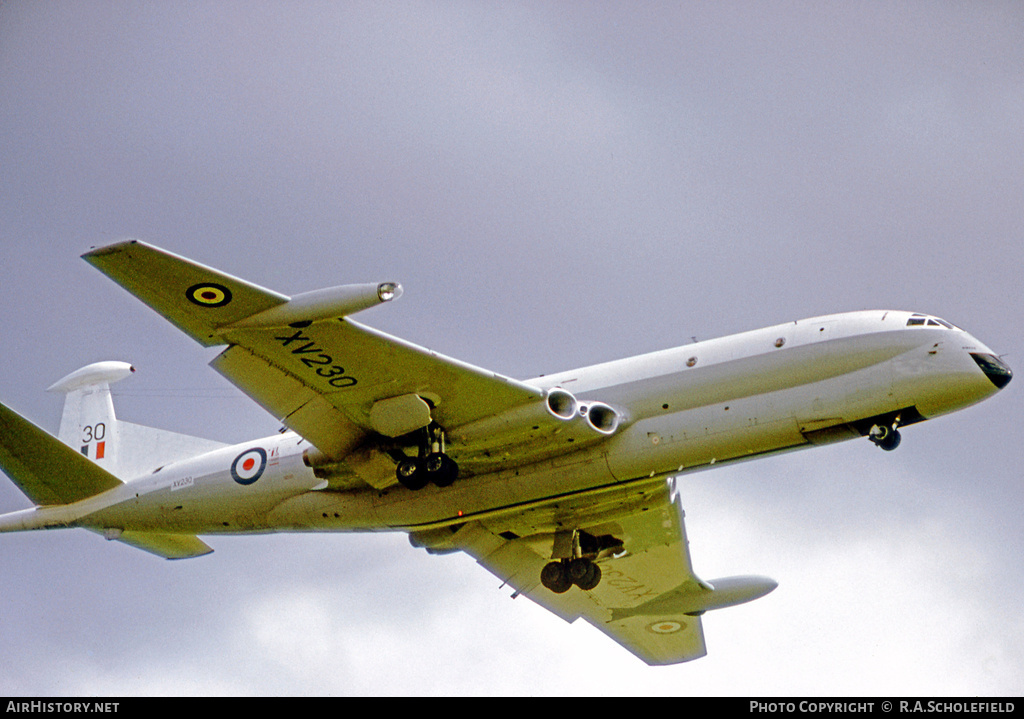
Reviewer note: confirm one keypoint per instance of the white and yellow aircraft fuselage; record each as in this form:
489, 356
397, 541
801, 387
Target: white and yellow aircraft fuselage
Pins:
557, 484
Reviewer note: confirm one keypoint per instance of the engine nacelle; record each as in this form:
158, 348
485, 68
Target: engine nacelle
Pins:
601, 417
522, 423
557, 425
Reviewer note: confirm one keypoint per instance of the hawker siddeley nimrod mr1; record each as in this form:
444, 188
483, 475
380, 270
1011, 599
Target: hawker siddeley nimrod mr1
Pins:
559, 485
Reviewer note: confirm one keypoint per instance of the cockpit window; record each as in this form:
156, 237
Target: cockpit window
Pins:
925, 321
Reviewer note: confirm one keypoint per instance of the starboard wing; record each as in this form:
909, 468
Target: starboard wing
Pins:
324, 380
195, 298
321, 376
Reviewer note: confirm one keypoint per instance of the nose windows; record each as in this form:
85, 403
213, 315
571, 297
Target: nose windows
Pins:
926, 321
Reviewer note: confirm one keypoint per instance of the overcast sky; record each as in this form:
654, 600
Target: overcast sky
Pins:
555, 185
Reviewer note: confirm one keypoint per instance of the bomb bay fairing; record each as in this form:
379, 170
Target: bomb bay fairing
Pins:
559, 485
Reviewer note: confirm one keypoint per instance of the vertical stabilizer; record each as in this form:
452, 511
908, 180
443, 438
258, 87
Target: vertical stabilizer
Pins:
88, 423
124, 449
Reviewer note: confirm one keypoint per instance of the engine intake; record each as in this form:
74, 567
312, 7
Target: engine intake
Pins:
560, 418
561, 404
601, 417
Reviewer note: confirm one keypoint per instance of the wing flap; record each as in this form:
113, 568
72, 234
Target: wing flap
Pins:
44, 468
295, 403
518, 565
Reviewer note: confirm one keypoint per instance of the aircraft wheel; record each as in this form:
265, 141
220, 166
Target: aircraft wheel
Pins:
412, 474
441, 469
891, 442
555, 578
578, 569
885, 437
591, 577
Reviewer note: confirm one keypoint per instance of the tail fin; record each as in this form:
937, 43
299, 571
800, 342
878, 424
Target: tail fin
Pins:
124, 449
87, 422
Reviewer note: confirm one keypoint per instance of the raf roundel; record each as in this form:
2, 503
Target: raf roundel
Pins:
665, 627
249, 465
208, 294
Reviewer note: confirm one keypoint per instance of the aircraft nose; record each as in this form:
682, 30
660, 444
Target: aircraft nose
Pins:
994, 368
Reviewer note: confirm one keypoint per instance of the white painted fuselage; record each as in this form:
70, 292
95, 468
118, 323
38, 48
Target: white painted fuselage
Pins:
779, 388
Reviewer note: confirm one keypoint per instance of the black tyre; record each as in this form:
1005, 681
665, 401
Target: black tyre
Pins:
890, 442
591, 579
441, 469
578, 569
555, 578
412, 474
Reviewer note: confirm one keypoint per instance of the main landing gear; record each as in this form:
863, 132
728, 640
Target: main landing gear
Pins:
437, 468
885, 436
561, 575
576, 554
432, 466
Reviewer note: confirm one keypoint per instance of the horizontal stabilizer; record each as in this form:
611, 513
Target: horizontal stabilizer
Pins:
163, 544
44, 468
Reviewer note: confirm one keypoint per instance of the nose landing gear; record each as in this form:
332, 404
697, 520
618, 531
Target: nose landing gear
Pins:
886, 437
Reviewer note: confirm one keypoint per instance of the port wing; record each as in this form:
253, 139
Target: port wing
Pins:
648, 599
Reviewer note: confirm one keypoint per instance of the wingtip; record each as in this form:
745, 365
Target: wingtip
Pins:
101, 250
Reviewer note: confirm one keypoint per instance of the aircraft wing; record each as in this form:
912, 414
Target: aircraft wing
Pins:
325, 380
328, 378
647, 601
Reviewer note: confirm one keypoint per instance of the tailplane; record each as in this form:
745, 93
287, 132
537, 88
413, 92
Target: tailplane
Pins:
126, 450
93, 453
47, 472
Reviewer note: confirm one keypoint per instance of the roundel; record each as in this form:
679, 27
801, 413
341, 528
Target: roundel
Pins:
249, 465
208, 294
665, 627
